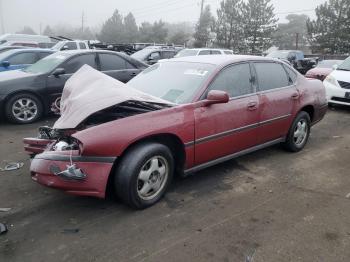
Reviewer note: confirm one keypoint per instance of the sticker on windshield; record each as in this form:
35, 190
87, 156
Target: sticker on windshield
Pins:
197, 72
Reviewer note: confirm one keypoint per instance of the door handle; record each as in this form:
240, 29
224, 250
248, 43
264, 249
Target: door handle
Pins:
295, 96
252, 106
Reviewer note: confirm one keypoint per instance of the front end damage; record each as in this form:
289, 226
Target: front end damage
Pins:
58, 159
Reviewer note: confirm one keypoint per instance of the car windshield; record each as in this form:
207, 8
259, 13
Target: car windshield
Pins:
176, 82
47, 64
328, 63
142, 54
187, 52
279, 54
345, 66
5, 54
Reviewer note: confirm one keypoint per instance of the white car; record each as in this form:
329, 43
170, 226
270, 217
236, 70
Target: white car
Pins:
337, 84
203, 51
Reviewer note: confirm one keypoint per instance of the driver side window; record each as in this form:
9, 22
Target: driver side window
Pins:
236, 80
154, 56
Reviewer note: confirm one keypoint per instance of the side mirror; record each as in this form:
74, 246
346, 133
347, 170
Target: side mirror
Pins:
5, 63
216, 97
335, 67
58, 72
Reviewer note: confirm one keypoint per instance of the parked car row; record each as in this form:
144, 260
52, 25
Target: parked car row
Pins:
26, 95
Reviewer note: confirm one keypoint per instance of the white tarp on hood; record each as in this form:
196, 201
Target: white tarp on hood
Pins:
89, 91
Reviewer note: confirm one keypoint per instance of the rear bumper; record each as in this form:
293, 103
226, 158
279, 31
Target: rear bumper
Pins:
320, 114
96, 169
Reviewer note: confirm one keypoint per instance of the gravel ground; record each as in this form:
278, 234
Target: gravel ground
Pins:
267, 206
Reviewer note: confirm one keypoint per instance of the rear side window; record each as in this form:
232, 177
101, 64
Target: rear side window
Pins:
71, 45
215, 52
292, 75
204, 52
43, 54
228, 52
74, 64
235, 80
82, 45
168, 54
112, 62
23, 59
271, 76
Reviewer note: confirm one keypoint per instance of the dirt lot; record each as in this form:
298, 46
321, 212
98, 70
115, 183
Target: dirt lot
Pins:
267, 206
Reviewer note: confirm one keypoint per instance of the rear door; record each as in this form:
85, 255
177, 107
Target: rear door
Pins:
224, 129
55, 84
277, 98
117, 67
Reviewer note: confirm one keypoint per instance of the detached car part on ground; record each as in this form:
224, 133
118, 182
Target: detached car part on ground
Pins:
177, 117
26, 95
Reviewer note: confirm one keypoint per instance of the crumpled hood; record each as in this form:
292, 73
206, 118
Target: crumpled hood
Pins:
89, 91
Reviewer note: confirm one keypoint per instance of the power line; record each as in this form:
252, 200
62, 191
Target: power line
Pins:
156, 6
295, 12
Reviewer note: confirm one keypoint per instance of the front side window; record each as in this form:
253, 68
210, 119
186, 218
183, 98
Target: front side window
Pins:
271, 76
71, 46
215, 52
111, 62
74, 64
204, 52
23, 59
235, 80
168, 54
154, 56
82, 45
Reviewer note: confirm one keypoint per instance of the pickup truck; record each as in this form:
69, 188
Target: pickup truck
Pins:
296, 59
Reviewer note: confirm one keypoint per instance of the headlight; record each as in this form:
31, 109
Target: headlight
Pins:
331, 80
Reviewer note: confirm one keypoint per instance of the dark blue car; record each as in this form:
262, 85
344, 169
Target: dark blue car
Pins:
21, 58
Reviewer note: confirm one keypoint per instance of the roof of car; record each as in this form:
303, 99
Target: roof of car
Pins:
16, 50
219, 59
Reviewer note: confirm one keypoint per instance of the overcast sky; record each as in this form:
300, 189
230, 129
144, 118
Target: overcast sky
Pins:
18, 13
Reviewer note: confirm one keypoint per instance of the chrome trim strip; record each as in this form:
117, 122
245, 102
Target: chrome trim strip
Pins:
226, 133
235, 155
189, 144
240, 129
67, 158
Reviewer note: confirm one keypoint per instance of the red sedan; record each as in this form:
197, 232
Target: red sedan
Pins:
177, 117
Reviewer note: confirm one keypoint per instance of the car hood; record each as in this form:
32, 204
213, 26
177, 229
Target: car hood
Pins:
89, 91
341, 75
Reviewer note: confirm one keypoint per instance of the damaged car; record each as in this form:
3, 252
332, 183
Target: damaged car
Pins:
176, 117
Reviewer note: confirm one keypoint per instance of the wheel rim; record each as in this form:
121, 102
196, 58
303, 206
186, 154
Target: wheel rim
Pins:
152, 178
24, 109
300, 132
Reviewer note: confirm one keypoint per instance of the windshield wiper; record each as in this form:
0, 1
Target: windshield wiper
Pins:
343, 69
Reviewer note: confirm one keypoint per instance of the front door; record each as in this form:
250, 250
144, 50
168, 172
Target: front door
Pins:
277, 99
224, 129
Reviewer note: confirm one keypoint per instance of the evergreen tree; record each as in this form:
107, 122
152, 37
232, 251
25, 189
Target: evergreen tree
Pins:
259, 22
330, 31
146, 32
228, 27
155, 33
204, 26
113, 30
48, 31
27, 30
286, 34
131, 29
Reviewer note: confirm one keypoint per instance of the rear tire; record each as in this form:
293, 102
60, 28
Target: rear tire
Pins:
23, 109
144, 175
299, 133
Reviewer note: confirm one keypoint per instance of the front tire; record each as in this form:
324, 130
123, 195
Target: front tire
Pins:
23, 109
299, 133
144, 175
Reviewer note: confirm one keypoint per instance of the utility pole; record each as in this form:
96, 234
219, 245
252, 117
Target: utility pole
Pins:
82, 22
202, 6
297, 41
2, 19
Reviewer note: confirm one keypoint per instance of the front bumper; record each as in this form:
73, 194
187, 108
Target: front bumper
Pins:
336, 95
95, 169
